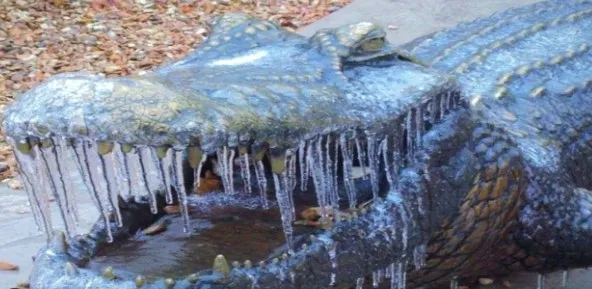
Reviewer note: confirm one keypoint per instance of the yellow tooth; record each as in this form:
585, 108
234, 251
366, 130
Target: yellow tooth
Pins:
221, 265
140, 281
161, 151
192, 278
248, 264
194, 155
127, 148
107, 272
70, 269
46, 143
169, 283
24, 146
105, 148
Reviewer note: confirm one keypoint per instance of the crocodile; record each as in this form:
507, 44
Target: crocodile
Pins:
473, 143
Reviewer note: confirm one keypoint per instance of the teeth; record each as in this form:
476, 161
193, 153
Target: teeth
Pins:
105, 148
221, 265
236, 264
169, 283
70, 269
140, 281
193, 278
107, 272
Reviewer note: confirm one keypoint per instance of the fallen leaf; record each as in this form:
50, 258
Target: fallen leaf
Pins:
155, 228
5, 266
209, 183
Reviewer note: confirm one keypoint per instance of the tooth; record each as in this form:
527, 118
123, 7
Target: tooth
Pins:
236, 264
23, 146
169, 283
140, 281
107, 272
59, 244
193, 278
248, 264
278, 160
127, 148
70, 269
221, 265
105, 148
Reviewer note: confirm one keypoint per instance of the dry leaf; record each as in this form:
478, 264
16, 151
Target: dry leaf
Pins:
5, 266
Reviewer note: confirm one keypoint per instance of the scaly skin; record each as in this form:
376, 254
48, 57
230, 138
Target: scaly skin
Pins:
493, 187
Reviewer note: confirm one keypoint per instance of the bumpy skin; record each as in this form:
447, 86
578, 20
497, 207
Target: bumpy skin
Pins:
498, 186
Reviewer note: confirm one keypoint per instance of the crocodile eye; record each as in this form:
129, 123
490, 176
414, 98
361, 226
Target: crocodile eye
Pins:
372, 45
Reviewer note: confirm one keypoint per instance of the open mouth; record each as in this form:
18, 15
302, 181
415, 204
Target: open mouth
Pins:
333, 137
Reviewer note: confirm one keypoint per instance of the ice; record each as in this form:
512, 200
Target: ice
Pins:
261, 183
303, 164
375, 280
245, 172
291, 182
151, 180
419, 125
410, 136
541, 281
123, 172
109, 176
283, 199
54, 174
226, 164
330, 177
348, 181
315, 164
360, 283
454, 283
419, 256
387, 164
64, 160
331, 248
398, 275
92, 166
139, 178
164, 167
34, 186
197, 171
180, 187
372, 162
564, 278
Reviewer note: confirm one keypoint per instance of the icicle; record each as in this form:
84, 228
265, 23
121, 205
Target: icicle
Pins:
380, 275
454, 283
434, 112
371, 142
348, 180
329, 178
448, 101
291, 184
141, 161
419, 256
360, 283
419, 127
64, 160
303, 165
361, 157
315, 161
541, 281
34, 185
123, 172
443, 106
410, 136
245, 172
331, 248
564, 278
226, 164
108, 172
163, 163
284, 204
261, 182
387, 272
385, 157
180, 187
92, 168
398, 275
230, 167
53, 171
375, 281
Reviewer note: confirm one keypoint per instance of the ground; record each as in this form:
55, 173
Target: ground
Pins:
39, 38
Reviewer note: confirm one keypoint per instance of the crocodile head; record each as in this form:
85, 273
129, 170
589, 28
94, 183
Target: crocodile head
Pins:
257, 105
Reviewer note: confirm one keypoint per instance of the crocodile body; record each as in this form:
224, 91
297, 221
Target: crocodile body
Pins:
477, 142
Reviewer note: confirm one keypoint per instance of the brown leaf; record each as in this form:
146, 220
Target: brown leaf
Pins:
5, 266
